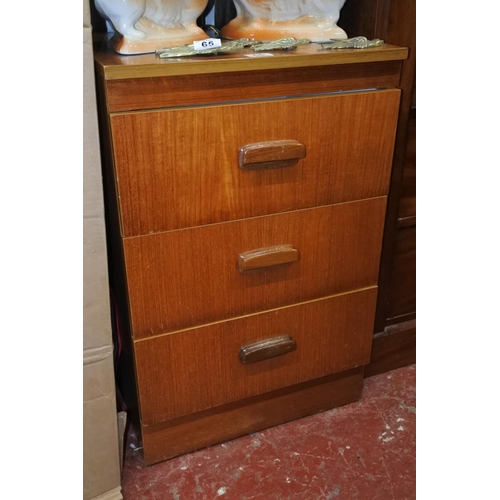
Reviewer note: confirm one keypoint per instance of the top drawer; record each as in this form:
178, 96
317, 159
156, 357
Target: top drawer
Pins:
179, 168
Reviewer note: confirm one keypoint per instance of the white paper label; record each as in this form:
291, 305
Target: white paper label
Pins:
259, 54
210, 43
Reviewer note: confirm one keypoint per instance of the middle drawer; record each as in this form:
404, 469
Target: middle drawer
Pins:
190, 277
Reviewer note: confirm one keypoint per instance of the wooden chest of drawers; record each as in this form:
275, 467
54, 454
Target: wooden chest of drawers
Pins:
246, 201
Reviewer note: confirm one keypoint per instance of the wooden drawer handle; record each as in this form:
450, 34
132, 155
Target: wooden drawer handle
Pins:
262, 258
272, 154
266, 349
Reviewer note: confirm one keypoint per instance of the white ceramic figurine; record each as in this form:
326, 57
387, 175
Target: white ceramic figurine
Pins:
273, 19
147, 25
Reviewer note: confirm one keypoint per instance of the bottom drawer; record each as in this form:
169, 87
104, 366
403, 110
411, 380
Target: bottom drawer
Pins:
193, 370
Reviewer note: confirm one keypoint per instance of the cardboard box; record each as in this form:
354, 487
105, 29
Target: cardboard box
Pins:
101, 456
86, 14
96, 315
101, 463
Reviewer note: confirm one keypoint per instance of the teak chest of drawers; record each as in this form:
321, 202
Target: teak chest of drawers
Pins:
245, 202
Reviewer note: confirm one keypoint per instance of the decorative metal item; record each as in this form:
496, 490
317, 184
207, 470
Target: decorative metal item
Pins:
359, 42
232, 46
284, 44
143, 26
273, 19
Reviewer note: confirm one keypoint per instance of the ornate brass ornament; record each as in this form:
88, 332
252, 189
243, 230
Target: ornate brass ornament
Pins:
359, 42
288, 43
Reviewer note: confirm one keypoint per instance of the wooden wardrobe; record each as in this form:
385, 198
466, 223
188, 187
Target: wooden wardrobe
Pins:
395, 321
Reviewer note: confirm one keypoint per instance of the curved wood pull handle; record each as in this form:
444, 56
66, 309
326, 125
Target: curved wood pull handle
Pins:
266, 349
272, 154
263, 258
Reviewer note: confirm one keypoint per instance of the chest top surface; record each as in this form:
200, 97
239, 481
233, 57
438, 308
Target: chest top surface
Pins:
113, 66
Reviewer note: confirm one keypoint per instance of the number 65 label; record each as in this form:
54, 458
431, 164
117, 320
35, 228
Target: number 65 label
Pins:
210, 43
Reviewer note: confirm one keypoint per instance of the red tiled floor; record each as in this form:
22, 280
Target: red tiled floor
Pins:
365, 450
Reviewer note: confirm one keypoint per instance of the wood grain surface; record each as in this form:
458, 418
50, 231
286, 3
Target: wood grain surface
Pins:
408, 197
402, 294
179, 168
181, 279
394, 348
191, 371
172, 438
150, 93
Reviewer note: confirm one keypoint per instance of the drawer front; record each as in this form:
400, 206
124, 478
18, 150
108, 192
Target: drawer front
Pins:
191, 371
181, 168
181, 279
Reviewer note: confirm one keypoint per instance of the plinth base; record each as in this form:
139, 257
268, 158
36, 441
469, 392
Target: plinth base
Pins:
308, 27
157, 37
